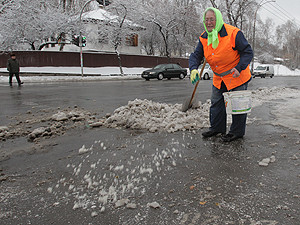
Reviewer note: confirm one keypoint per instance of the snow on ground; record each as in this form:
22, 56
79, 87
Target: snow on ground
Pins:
119, 184
156, 117
286, 105
44, 74
281, 70
86, 70
287, 113
44, 79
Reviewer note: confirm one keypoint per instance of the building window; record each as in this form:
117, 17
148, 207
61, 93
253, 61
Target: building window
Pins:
132, 40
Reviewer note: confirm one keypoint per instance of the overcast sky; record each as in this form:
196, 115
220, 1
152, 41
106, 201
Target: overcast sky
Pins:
283, 10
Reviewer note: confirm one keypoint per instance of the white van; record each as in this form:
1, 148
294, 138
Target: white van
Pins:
263, 71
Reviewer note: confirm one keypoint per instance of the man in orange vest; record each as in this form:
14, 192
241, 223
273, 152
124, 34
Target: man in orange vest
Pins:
229, 55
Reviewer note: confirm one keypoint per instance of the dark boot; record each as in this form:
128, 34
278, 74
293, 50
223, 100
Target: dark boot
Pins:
210, 133
230, 137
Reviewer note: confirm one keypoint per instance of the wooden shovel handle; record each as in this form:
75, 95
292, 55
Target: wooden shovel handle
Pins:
204, 63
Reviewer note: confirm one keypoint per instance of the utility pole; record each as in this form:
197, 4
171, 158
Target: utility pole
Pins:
80, 36
81, 55
262, 2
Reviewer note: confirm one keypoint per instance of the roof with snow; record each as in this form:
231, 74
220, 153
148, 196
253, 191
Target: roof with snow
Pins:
99, 14
103, 15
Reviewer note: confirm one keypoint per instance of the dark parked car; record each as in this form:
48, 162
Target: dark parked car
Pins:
165, 71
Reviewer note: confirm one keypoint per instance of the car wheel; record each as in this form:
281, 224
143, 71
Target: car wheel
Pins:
160, 76
181, 76
147, 79
272, 76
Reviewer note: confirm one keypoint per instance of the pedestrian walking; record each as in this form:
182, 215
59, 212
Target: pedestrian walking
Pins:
229, 54
13, 68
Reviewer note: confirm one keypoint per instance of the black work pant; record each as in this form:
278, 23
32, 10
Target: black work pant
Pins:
17, 77
218, 116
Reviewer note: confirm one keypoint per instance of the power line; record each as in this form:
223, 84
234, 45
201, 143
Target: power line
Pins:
286, 11
280, 17
280, 13
275, 14
281, 7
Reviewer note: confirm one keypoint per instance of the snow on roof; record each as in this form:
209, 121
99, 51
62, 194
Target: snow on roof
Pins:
100, 14
279, 59
103, 15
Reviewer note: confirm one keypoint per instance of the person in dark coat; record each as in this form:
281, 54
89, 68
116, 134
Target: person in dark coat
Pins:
13, 68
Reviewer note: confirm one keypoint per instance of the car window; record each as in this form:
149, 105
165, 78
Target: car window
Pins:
176, 66
207, 67
160, 66
260, 68
169, 66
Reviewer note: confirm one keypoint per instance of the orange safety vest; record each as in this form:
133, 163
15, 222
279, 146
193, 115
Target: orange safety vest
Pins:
224, 58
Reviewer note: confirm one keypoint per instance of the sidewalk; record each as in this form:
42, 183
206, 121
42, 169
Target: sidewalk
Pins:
46, 74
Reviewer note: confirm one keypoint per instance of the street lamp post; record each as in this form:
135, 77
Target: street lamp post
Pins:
262, 2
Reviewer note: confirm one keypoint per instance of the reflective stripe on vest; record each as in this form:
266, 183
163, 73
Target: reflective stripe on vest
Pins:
223, 74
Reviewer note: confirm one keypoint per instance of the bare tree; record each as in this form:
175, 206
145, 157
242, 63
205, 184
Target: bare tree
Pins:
118, 29
28, 23
291, 44
214, 4
235, 11
148, 40
172, 26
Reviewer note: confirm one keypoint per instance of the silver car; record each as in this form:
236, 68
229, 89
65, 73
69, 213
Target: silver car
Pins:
207, 72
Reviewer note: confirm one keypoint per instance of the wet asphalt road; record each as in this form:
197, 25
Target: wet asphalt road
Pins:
194, 180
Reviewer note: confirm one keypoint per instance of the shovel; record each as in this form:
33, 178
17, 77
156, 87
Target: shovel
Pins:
189, 102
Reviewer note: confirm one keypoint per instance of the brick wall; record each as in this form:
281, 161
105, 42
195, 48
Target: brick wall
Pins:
90, 59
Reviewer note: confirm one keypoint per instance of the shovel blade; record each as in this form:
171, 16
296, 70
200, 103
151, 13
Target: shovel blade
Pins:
187, 104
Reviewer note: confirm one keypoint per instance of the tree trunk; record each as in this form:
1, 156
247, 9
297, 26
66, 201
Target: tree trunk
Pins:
120, 61
32, 45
